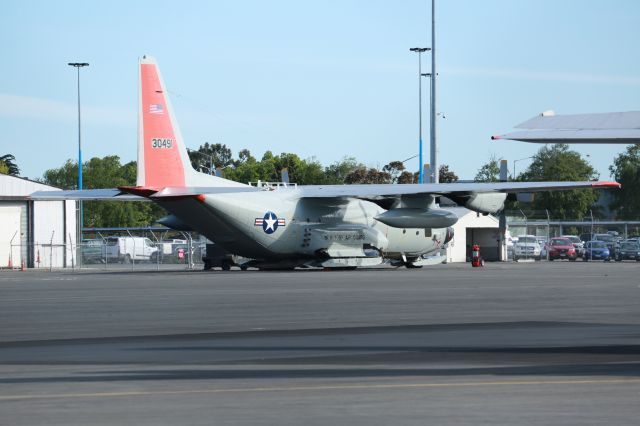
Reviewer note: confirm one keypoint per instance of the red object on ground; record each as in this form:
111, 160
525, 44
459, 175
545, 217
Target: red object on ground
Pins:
476, 260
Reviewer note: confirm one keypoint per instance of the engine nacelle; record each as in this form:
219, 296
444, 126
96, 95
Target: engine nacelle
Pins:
417, 218
486, 202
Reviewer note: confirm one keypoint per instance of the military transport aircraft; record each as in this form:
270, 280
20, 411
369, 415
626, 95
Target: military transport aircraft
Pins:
285, 226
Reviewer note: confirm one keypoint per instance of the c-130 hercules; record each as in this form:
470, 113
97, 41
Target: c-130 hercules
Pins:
291, 226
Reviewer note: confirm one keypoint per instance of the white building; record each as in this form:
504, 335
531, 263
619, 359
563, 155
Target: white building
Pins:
34, 233
473, 228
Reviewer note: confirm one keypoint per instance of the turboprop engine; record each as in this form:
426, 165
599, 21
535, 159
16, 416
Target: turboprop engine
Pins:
417, 218
483, 202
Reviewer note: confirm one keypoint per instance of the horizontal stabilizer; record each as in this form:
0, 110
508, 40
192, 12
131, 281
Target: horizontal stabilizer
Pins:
85, 194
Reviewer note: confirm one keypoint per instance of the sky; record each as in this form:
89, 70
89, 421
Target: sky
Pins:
323, 80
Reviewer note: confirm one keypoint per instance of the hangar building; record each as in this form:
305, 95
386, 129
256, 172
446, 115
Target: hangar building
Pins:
473, 228
36, 233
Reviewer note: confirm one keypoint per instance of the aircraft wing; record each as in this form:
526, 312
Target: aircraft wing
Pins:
607, 128
385, 190
364, 191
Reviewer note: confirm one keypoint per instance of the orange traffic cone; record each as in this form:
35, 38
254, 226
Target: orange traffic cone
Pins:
10, 264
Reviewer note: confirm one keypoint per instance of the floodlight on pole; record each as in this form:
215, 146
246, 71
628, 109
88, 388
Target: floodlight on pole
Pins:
420, 50
79, 65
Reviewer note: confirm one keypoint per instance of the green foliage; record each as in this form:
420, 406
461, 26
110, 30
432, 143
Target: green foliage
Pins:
368, 175
336, 173
558, 163
489, 172
216, 155
445, 175
626, 170
106, 172
8, 165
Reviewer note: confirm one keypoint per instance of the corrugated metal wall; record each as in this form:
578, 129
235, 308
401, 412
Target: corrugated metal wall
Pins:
13, 217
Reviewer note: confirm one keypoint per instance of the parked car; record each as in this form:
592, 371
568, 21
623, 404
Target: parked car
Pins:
610, 240
629, 250
93, 251
578, 244
128, 249
561, 248
526, 247
596, 250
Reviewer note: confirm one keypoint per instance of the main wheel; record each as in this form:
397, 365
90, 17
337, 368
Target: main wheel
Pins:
226, 266
127, 259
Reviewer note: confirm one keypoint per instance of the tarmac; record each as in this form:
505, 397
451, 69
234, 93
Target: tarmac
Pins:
508, 344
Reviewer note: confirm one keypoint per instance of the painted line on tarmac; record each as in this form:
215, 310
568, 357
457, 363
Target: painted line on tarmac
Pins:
323, 388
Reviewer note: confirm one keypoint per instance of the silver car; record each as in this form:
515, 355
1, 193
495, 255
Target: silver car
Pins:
578, 244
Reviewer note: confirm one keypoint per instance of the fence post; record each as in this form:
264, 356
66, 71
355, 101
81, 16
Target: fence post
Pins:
73, 264
51, 252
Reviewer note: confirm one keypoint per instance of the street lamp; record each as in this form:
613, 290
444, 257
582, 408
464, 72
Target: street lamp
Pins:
514, 165
79, 65
420, 50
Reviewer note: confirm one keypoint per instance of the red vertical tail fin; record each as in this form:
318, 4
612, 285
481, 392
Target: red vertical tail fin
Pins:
162, 155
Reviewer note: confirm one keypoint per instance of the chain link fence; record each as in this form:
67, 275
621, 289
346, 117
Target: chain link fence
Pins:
118, 252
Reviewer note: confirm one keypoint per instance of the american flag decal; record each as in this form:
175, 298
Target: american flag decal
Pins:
156, 109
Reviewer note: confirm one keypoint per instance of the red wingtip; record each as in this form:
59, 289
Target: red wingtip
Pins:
495, 137
201, 198
606, 184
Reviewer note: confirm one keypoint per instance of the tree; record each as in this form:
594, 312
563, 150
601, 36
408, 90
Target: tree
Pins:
626, 170
394, 169
106, 172
558, 163
445, 175
8, 165
489, 172
367, 175
219, 154
337, 172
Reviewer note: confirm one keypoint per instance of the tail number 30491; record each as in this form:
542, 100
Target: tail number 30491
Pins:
161, 143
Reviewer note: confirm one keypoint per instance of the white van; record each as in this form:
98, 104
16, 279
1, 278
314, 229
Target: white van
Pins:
128, 249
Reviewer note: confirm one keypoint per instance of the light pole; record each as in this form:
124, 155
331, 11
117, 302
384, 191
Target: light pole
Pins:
434, 74
420, 50
79, 65
514, 165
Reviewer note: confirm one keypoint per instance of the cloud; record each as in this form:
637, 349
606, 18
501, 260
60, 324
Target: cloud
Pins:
569, 77
43, 109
